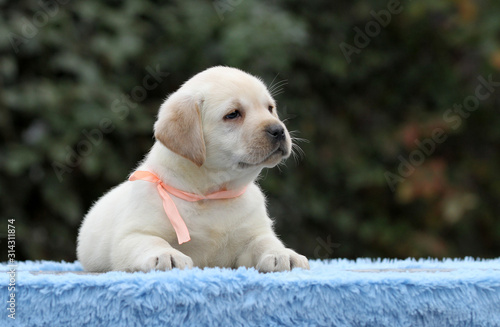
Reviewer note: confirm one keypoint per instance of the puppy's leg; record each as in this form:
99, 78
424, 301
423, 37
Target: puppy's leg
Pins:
267, 254
143, 252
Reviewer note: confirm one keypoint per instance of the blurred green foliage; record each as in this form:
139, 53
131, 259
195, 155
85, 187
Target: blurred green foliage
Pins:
73, 96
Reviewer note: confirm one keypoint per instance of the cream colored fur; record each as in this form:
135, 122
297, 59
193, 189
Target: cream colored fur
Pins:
198, 150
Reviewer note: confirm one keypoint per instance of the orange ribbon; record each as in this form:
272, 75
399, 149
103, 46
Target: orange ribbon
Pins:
169, 206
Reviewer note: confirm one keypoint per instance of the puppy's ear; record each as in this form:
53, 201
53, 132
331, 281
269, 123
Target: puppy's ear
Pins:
179, 127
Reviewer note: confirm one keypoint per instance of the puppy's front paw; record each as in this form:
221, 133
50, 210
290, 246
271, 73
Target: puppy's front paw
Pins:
166, 259
281, 261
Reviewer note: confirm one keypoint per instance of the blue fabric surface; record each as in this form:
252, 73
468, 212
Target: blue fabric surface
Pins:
333, 293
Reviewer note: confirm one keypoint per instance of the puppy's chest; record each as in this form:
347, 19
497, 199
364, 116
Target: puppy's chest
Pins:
215, 227
213, 216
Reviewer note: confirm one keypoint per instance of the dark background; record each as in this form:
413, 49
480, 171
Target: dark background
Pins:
364, 82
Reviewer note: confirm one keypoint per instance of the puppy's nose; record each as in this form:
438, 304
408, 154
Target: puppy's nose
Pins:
276, 132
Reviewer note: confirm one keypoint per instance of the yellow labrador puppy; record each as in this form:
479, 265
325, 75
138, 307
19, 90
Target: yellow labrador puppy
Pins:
193, 201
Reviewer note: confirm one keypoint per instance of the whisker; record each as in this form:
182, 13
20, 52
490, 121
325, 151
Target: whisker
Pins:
295, 138
271, 85
277, 92
276, 89
297, 153
281, 164
298, 139
278, 86
280, 83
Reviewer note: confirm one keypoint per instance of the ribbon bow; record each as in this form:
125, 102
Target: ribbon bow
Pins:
169, 206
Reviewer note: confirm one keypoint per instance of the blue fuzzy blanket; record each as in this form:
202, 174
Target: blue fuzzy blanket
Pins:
332, 293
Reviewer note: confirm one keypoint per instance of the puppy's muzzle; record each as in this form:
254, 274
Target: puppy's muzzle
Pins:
270, 146
276, 133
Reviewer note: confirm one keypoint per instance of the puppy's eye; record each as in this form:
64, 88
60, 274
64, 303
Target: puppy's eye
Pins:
233, 115
270, 108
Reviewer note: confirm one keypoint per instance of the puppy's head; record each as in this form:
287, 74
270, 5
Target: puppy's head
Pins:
223, 118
